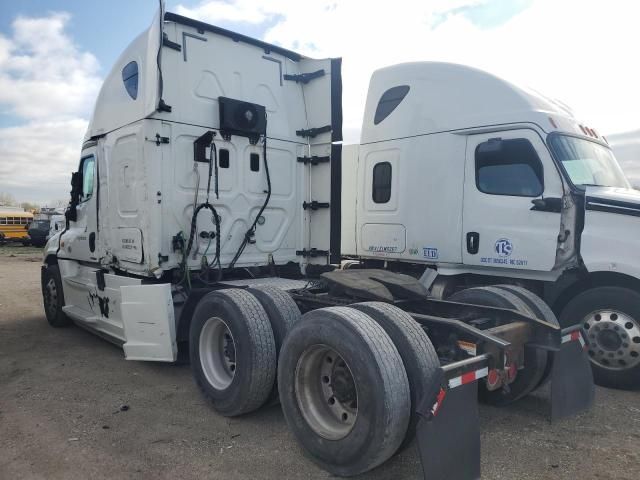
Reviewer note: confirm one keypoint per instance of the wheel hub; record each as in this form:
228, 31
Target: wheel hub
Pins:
344, 389
609, 340
326, 392
614, 339
217, 353
51, 296
229, 350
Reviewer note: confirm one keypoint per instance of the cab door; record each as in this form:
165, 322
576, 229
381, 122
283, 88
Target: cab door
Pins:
81, 237
512, 202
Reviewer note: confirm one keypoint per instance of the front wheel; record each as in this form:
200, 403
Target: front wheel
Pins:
610, 318
53, 297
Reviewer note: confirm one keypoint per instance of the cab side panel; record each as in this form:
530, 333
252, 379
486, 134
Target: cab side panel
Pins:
421, 220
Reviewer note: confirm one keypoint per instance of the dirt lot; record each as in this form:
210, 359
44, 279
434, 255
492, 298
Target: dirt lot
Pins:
61, 393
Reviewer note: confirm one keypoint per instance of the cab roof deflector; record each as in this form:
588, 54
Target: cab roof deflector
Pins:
236, 37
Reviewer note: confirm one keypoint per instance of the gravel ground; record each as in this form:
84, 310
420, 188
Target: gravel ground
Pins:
63, 394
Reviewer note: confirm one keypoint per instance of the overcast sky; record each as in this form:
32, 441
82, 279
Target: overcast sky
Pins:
54, 55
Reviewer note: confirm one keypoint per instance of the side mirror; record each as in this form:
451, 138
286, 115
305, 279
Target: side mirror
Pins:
71, 213
493, 145
549, 204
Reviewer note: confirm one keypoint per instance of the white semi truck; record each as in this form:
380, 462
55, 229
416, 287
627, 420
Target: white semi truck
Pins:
205, 218
487, 183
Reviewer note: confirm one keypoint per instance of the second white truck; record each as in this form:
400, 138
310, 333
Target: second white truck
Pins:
487, 183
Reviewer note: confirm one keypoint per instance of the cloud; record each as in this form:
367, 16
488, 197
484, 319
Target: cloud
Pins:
49, 84
245, 11
576, 51
36, 159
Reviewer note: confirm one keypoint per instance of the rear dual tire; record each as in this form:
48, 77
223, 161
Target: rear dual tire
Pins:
418, 356
283, 313
232, 351
235, 338
344, 390
535, 360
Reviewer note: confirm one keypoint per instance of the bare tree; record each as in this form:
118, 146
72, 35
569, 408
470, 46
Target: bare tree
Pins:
30, 207
7, 199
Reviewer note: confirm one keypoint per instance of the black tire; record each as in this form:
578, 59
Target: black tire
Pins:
283, 313
253, 348
381, 386
541, 311
535, 360
416, 350
53, 297
621, 300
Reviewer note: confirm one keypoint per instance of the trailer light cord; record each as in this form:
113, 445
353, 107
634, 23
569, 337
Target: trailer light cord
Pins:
251, 232
213, 160
158, 60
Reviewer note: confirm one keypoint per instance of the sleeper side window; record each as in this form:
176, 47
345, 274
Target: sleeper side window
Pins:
389, 101
381, 191
88, 169
509, 167
130, 79
223, 158
254, 162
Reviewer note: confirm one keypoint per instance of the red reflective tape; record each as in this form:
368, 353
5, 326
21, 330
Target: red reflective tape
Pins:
439, 399
468, 378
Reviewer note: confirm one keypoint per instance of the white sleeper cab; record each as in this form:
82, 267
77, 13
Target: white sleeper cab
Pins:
204, 226
487, 183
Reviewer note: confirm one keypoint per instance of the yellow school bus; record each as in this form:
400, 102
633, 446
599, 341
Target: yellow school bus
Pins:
14, 225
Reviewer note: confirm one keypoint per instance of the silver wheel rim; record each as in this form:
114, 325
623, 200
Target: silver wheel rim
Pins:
51, 296
614, 339
217, 353
326, 392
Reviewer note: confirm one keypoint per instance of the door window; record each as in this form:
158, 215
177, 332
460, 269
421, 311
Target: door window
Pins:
509, 167
88, 168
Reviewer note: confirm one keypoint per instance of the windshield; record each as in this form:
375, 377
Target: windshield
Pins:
588, 163
40, 224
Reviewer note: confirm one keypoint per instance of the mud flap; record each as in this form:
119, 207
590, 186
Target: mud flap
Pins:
572, 387
448, 434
